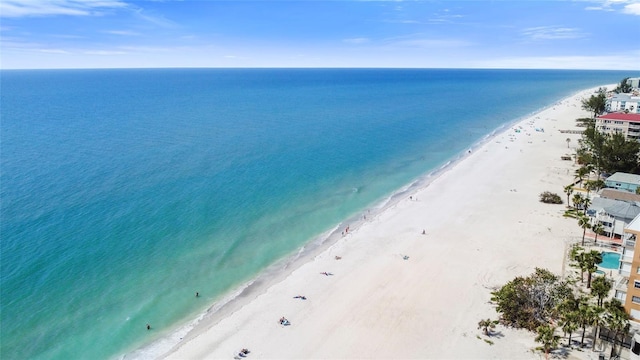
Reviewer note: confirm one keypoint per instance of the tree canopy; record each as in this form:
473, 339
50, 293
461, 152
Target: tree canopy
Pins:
596, 104
623, 87
620, 154
609, 153
529, 302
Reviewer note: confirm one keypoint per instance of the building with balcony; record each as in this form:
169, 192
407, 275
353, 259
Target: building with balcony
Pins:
623, 103
620, 123
613, 215
627, 288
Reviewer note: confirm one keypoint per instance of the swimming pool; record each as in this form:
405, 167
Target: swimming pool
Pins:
610, 260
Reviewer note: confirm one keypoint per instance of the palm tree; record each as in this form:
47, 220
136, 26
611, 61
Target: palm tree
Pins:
583, 222
577, 201
594, 185
486, 324
569, 323
569, 190
600, 288
592, 259
617, 320
597, 318
581, 173
548, 338
585, 316
568, 141
585, 204
597, 229
577, 255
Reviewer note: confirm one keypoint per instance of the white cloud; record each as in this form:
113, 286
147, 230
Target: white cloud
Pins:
157, 20
146, 49
356, 41
420, 41
122, 32
631, 7
103, 52
551, 33
24, 8
53, 51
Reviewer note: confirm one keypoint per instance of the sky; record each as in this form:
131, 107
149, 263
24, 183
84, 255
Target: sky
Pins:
524, 34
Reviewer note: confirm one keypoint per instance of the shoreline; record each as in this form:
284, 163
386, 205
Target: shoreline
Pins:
325, 246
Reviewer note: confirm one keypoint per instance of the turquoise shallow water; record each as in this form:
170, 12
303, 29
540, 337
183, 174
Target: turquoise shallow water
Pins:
126, 191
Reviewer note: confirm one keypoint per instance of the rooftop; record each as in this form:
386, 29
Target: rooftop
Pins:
625, 177
625, 97
616, 208
621, 116
619, 195
634, 226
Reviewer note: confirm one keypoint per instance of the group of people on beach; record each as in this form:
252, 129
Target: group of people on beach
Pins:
242, 353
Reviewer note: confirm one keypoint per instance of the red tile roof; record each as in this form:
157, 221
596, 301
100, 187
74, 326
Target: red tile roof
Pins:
621, 116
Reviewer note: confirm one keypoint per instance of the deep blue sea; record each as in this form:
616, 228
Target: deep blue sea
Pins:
123, 192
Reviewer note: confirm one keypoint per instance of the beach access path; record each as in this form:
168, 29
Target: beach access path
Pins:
484, 225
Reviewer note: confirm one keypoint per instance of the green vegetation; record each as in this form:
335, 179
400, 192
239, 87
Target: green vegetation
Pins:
542, 301
530, 302
550, 198
607, 153
487, 325
623, 87
600, 289
548, 339
568, 190
617, 320
598, 229
596, 104
586, 262
583, 222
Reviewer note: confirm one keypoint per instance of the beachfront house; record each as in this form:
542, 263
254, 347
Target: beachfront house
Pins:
619, 195
627, 288
623, 181
613, 215
623, 103
620, 123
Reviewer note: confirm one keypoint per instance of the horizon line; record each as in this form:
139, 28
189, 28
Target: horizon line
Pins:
311, 68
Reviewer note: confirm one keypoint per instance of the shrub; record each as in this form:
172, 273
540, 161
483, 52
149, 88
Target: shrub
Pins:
550, 198
529, 302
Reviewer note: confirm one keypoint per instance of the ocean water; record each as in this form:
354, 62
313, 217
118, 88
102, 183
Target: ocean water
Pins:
123, 192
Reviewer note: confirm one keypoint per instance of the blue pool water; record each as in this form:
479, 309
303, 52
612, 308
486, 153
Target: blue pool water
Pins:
610, 260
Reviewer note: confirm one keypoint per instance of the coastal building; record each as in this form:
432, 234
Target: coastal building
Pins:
627, 288
634, 82
623, 181
623, 103
615, 194
622, 123
613, 215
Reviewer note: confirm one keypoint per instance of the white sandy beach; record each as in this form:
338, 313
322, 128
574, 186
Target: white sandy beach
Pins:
484, 226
